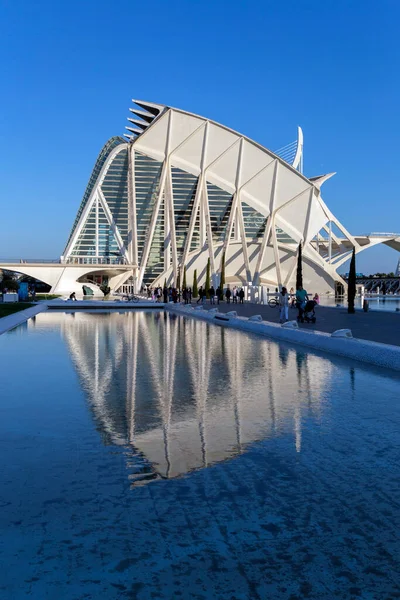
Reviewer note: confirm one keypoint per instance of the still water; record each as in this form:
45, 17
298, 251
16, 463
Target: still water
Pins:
151, 456
388, 304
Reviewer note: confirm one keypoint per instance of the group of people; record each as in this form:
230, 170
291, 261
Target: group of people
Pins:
296, 300
215, 296
235, 295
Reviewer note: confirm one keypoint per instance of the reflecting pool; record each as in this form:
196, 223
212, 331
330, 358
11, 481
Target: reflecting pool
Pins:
146, 455
385, 304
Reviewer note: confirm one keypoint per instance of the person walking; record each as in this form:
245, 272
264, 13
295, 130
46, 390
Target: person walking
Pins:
241, 295
228, 295
234, 294
284, 306
219, 294
200, 298
211, 293
165, 294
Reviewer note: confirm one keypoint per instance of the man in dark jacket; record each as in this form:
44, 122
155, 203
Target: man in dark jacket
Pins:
211, 292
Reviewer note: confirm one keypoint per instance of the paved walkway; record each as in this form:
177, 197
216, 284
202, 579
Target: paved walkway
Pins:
375, 326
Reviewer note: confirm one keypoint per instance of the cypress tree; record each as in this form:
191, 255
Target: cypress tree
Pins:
208, 279
184, 285
299, 274
351, 284
178, 281
195, 291
222, 280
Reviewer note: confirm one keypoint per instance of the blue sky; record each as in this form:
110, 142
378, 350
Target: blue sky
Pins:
70, 69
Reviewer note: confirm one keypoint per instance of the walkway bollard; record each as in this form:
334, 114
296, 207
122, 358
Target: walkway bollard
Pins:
365, 306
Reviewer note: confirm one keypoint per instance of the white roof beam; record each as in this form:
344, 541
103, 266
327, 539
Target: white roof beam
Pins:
141, 124
154, 109
146, 116
133, 130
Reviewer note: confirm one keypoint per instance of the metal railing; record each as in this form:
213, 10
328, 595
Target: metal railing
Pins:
71, 260
380, 234
32, 261
94, 260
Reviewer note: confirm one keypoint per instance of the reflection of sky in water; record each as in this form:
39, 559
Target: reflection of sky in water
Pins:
388, 304
300, 500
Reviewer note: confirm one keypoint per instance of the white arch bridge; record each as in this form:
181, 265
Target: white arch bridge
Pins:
68, 276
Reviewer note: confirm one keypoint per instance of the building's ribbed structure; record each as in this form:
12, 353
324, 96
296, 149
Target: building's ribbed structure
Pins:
183, 190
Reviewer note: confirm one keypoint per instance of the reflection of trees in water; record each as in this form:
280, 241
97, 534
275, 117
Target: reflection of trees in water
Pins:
186, 394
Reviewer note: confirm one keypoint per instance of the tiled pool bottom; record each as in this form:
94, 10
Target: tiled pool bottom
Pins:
286, 465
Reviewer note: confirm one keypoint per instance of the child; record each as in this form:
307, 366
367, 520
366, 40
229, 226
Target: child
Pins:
284, 305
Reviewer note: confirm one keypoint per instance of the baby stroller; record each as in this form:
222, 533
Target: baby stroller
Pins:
309, 311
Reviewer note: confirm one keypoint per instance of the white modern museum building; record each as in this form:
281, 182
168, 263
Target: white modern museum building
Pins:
182, 189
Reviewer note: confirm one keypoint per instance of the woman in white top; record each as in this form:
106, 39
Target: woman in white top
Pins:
284, 305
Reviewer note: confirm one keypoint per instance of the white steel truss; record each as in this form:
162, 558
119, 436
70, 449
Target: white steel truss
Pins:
233, 199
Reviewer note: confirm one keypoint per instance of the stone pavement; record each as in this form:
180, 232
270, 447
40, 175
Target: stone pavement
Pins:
375, 326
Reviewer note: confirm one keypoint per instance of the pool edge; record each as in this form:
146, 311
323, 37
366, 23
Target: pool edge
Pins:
375, 353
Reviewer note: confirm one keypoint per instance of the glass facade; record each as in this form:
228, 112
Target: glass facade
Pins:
103, 247
147, 183
101, 159
155, 263
184, 186
284, 238
86, 242
195, 242
107, 243
115, 190
220, 204
254, 222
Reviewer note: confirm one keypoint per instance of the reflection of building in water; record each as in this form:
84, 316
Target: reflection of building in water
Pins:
186, 394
